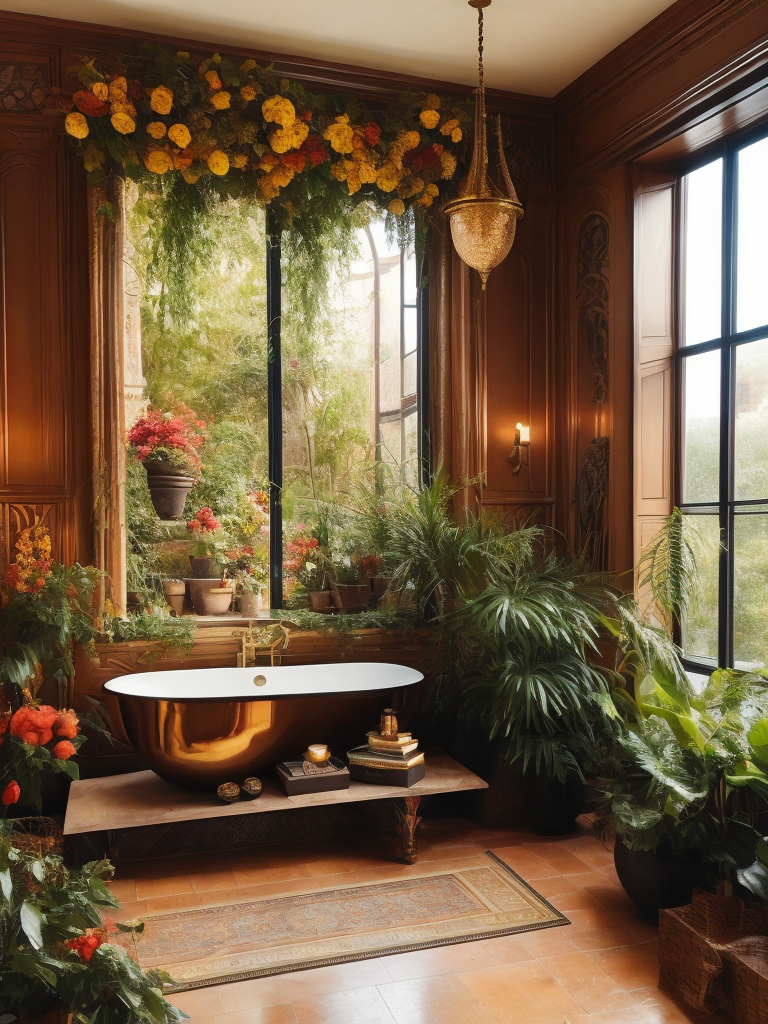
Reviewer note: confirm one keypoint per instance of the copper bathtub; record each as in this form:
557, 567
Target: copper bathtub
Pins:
202, 727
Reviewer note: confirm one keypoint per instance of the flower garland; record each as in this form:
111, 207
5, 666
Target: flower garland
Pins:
160, 113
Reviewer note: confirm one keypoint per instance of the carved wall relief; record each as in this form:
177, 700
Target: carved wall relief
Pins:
592, 299
23, 86
18, 516
526, 150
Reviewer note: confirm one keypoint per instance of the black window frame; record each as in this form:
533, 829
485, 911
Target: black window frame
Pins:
727, 507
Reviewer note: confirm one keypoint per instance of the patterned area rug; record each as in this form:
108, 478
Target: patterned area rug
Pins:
232, 942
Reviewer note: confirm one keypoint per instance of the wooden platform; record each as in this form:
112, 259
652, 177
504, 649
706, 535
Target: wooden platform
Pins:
142, 798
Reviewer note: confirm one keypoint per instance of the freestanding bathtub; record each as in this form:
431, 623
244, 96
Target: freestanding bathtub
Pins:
202, 727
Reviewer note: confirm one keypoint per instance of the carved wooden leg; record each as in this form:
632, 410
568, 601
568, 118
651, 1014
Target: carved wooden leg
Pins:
407, 824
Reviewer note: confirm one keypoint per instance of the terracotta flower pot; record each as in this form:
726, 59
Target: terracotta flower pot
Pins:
197, 587
174, 592
203, 568
250, 604
354, 597
320, 601
217, 600
168, 486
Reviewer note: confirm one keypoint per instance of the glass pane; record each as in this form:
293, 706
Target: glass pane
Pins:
700, 626
203, 356
409, 375
751, 432
410, 284
702, 257
342, 384
409, 329
752, 276
750, 606
701, 427
411, 448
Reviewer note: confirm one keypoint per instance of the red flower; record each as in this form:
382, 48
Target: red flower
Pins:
88, 104
372, 133
295, 161
86, 945
313, 147
34, 725
67, 724
425, 158
11, 793
64, 750
204, 520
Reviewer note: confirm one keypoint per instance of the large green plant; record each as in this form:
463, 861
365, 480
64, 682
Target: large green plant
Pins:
55, 948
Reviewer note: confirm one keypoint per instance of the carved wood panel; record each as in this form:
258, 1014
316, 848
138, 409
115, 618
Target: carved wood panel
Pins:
24, 81
17, 516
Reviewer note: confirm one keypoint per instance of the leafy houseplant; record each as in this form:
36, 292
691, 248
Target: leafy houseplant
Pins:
204, 527
56, 948
168, 446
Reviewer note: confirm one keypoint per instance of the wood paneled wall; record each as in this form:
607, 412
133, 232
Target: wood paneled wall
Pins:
557, 345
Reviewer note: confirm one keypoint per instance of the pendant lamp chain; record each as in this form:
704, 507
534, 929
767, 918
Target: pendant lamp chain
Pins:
484, 217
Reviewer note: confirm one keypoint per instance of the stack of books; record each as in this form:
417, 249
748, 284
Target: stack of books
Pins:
387, 760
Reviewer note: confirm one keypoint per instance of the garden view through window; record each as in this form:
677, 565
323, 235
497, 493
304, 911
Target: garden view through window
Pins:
723, 359
348, 420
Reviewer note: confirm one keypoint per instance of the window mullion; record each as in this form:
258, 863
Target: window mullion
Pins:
725, 582
275, 412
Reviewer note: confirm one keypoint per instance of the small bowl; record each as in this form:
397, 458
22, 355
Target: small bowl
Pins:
251, 788
229, 792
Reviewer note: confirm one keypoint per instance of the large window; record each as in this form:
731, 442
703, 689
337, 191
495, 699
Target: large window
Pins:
723, 387
307, 380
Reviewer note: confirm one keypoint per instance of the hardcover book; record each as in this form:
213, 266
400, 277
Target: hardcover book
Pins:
405, 777
298, 776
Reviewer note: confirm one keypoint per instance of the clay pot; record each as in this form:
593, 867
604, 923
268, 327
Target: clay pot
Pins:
353, 597
379, 586
655, 879
174, 592
217, 600
250, 604
204, 568
320, 601
168, 486
197, 587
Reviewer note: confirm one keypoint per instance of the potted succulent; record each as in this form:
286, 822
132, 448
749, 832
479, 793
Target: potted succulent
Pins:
168, 445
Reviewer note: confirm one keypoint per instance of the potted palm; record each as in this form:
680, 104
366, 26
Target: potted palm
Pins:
168, 445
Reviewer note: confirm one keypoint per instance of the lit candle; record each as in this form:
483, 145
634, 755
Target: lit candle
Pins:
318, 751
525, 434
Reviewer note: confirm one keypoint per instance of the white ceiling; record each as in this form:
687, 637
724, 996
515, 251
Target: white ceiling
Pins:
532, 46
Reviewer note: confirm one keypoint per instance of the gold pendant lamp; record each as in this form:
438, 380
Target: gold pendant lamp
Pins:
484, 216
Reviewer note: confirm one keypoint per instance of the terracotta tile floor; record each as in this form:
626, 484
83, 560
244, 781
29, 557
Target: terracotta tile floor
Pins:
602, 969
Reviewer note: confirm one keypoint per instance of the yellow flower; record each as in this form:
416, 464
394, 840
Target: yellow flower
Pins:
432, 101
218, 162
158, 161
93, 157
118, 87
123, 123
339, 170
123, 106
240, 161
247, 66
248, 93
101, 91
179, 133
353, 181
410, 188
213, 79
456, 135
448, 163
340, 135
397, 207
156, 129
282, 175
289, 138
280, 110
161, 99
76, 125
388, 177
410, 140
429, 195
449, 126
366, 172
429, 118
220, 100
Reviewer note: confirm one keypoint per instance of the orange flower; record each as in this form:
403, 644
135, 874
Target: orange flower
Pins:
64, 750
67, 724
11, 793
85, 945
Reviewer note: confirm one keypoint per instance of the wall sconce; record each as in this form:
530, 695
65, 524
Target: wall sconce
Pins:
521, 450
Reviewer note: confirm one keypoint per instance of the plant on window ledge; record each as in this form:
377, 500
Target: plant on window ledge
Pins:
168, 446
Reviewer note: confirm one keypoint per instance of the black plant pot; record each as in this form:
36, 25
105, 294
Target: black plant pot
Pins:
554, 805
655, 880
168, 486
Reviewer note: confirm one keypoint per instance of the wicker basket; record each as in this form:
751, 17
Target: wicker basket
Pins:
748, 959
689, 960
38, 837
